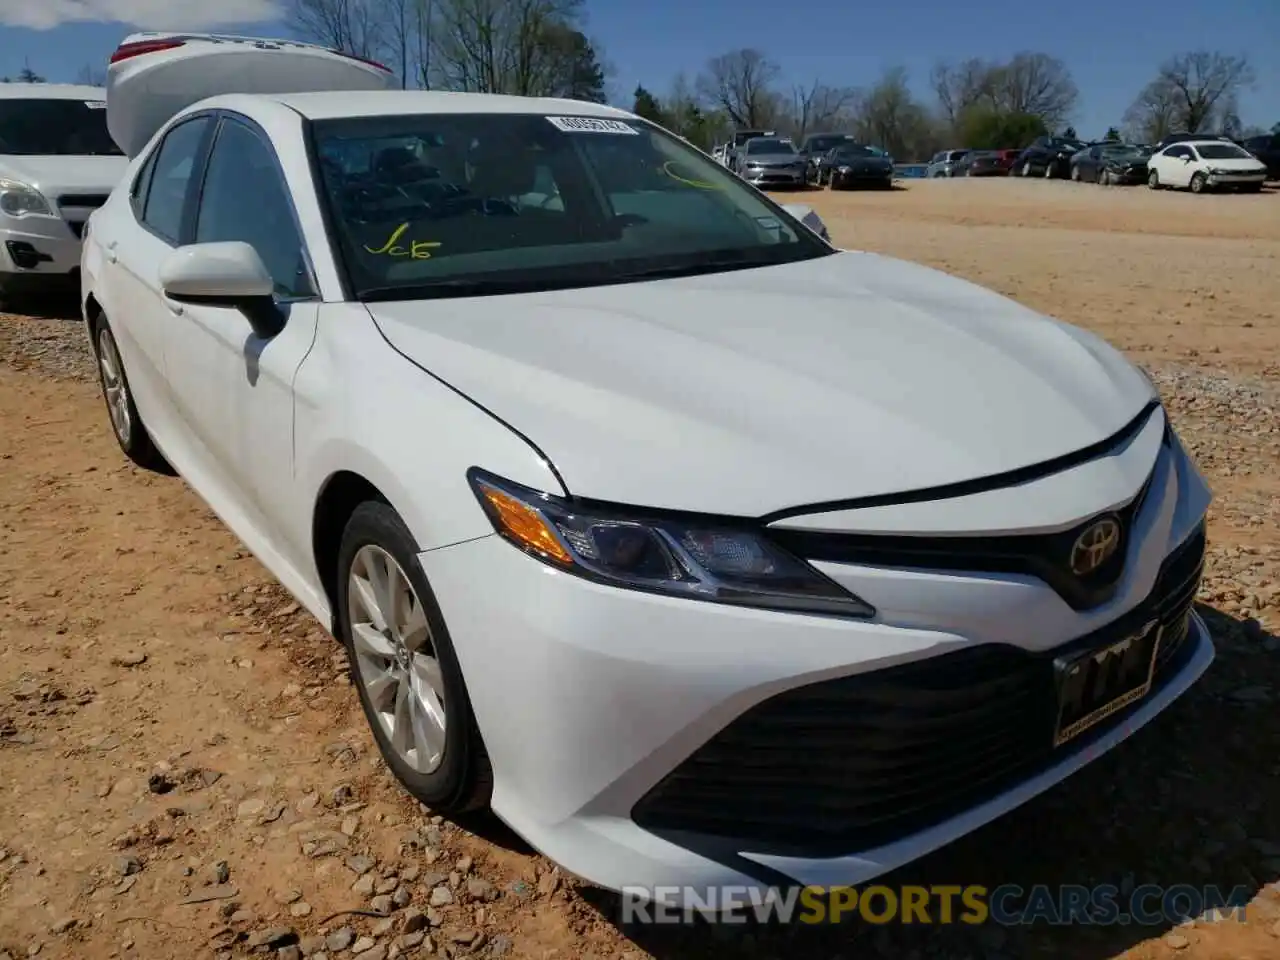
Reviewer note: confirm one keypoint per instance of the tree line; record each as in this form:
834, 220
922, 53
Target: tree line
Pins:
977, 103
542, 48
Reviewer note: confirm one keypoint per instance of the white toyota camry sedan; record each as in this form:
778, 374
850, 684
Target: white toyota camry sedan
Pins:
701, 551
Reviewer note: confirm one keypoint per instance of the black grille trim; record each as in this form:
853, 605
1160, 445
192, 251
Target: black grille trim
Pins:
1045, 556
894, 751
87, 200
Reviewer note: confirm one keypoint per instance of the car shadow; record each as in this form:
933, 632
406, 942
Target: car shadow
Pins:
49, 307
1185, 802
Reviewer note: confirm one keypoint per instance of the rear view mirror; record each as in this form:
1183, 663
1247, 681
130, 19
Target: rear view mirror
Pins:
228, 274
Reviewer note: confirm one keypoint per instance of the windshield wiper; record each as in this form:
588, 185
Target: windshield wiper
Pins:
441, 289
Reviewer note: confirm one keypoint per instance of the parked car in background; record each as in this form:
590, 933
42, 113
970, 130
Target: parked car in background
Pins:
1267, 149
733, 150
1110, 163
1008, 158
58, 163
944, 164
780, 602
982, 163
719, 153
1202, 165
1047, 157
815, 146
852, 165
771, 162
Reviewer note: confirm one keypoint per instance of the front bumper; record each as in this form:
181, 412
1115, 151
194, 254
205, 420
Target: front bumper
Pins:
35, 248
1236, 179
602, 707
774, 178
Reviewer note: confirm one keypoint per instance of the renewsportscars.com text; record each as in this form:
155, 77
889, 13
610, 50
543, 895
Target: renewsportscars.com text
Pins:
1007, 905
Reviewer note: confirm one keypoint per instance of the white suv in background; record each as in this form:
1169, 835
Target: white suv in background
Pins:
58, 164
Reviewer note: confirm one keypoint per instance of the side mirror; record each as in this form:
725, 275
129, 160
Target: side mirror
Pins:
228, 274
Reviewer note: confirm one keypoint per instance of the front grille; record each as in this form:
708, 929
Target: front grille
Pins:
87, 200
850, 764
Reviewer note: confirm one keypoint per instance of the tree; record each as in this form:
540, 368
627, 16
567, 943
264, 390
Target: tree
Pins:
1070, 133
741, 83
1112, 135
1034, 84
819, 107
984, 128
1192, 92
890, 118
92, 76
27, 75
646, 105
504, 46
352, 26
575, 71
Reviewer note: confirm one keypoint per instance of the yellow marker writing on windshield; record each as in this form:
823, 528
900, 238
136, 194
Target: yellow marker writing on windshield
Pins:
417, 249
667, 168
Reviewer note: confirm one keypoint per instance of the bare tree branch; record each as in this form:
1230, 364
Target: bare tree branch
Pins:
352, 26
741, 84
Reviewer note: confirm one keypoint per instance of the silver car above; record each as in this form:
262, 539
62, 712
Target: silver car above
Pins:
772, 162
944, 164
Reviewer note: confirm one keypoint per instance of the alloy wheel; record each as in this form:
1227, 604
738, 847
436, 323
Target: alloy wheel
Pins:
114, 387
395, 658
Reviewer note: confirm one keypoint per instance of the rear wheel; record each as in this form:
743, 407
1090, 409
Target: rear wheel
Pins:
1026, 169
404, 666
1104, 178
1075, 173
1050, 170
126, 424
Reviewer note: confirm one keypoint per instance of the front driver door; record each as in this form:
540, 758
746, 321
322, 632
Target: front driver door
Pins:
247, 423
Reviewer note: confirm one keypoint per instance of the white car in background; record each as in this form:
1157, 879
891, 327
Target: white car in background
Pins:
57, 165
701, 551
1200, 165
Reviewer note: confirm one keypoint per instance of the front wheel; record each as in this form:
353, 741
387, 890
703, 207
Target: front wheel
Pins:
126, 424
1198, 183
1153, 180
1104, 178
1050, 170
1075, 174
1026, 169
404, 666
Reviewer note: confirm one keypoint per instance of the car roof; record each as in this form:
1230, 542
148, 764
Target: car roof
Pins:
332, 105
50, 91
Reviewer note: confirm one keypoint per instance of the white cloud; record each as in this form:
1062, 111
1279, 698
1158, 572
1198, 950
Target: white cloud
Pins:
143, 14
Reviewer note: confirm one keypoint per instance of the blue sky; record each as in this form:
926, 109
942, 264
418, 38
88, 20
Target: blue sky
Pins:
1112, 48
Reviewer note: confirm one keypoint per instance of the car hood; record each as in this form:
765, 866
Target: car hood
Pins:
863, 162
772, 158
53, 175
742, 393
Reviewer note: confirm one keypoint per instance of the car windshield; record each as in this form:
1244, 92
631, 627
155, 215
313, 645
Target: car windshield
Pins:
853, 151
773, 145
51, 128
477, 204
1122, 150
1062, 143
1222, 151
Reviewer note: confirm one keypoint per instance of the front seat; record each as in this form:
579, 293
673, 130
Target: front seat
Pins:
500, 171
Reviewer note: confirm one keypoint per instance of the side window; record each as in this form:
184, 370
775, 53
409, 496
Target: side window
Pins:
1190, 152
244, 198
166, 195
138, 193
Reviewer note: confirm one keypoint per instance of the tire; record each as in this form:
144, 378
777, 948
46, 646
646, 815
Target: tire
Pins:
1198, 183
1153, 180
1104, 178
1026, 168
457, 777
126, 423
1075, 173
1050, 169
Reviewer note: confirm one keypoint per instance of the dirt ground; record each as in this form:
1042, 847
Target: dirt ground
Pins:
184, 771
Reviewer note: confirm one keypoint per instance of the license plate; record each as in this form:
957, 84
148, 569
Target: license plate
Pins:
1097, 683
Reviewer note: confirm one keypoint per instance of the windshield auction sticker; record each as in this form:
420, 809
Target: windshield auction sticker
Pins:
592, 125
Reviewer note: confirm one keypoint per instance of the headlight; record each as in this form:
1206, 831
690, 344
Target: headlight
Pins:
846, 169
699, 559
18, 199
